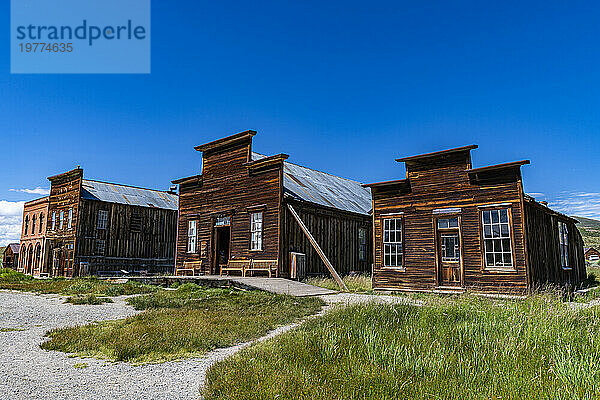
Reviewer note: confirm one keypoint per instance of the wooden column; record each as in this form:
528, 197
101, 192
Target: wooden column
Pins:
320, 252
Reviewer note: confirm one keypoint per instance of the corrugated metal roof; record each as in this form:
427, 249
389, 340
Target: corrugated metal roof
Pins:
134, 196
322, 188
14, 247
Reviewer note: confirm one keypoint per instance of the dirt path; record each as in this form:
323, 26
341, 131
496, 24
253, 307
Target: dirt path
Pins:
28, 372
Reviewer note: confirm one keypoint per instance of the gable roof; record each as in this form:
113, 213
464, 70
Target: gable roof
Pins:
130, 195
14, 247
321, 188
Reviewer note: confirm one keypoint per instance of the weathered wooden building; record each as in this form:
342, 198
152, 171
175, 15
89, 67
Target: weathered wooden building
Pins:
10, 256
591, 254
33, 236
246, 206
95, 227
449, 226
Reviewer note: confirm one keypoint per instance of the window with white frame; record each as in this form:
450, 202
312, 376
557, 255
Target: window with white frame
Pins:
54, 220
392, 242
102, 219
496, 237
41, 222
362, 244
563, 237
191, 247
70, 220
61, 220
256, 223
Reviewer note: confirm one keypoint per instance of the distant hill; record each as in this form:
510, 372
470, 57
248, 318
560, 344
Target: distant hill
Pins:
590, 230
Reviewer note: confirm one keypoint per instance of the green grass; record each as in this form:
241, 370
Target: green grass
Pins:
8, 276
189, 321
590, 231
80, 365
460, 348
10, 279
356, 284
87, 299
12, 329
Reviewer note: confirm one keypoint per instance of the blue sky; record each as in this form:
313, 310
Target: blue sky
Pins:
344, 87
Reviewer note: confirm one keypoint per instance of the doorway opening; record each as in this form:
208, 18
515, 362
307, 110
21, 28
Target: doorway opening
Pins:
222, 247
449, 252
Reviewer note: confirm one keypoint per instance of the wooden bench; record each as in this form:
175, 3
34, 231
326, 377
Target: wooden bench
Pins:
195, 267
235, 265
268, 266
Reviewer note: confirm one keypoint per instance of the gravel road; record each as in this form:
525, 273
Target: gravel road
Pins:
28, 372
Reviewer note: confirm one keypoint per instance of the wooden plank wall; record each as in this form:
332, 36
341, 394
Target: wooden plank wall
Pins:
544, 248
446, 184
152, 248
334, 230
65, 192
227, 187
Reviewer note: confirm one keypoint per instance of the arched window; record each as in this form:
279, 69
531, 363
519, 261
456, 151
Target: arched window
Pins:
33, 225
41, 222
38, 254
26, 225
29, 268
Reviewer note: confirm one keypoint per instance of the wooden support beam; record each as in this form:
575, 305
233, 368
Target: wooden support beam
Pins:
318, 249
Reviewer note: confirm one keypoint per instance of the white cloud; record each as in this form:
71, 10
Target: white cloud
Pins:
11, 217
581, 204
37, 190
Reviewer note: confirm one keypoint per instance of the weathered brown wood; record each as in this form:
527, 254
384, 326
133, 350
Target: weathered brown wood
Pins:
136, 237
316, 246
446, 180
235, 185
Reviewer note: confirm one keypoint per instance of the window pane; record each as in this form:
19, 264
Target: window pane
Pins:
497, 247
486, 217
487, 231
496, 231
505, 244
442, 223
386, 224
495, 216
504, 230
489, 258
507, 259
504, 216
498, 259
453, 223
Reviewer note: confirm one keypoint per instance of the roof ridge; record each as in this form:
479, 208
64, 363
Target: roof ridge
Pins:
129, 186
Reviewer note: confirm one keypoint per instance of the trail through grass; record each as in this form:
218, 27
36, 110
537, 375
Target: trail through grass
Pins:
356, 283
186, 322
456, 348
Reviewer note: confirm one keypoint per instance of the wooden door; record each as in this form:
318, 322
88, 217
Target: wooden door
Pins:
449, 252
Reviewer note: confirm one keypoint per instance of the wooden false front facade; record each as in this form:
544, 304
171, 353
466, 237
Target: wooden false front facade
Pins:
10, 257
100, 228
449, 226
237, 209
